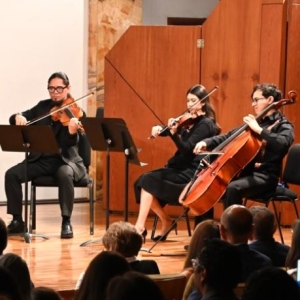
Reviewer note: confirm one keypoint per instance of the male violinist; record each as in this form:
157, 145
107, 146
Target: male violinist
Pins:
261, 175
65, 167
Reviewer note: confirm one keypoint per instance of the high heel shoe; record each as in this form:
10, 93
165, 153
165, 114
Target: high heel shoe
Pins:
144, 234
164, 237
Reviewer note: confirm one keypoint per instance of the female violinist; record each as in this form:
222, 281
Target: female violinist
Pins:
157, 188
66, 167
261, 175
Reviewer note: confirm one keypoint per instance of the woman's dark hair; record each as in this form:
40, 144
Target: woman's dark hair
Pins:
133, 285
44, 293
100, 271
62, 76
206, 230
18, 269
271, 283
8, 286
200, 91
268, 89
294, 252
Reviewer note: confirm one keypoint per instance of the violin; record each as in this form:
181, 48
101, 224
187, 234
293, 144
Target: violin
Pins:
65, 111
186, 119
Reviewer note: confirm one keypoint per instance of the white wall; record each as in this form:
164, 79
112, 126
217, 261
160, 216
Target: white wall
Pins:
156, 12
38, 38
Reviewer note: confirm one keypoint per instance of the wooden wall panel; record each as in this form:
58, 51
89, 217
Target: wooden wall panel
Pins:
157, 64
230, 58
273, 43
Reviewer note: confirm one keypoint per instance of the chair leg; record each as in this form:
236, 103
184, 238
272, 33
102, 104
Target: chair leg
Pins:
91, 194
188, 226
278, 222
154, 226
296, 209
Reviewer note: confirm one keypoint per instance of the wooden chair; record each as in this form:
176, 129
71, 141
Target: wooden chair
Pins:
185, 216
67, 294
190, 285
84, 150
291, 175
172, 285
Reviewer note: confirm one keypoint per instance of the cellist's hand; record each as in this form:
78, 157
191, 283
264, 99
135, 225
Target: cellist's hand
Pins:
252, 123
20, 120
201, 146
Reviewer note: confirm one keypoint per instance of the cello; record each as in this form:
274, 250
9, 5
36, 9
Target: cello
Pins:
218, 168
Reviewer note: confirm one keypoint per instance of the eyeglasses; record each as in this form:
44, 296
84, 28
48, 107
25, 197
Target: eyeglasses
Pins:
59, 89
195, 263
255, 100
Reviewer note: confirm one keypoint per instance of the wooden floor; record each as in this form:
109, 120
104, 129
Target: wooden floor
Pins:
57, 262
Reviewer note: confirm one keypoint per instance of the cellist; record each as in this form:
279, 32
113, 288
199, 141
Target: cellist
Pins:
261, 175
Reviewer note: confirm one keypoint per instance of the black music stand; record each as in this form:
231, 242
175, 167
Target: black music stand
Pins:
34, 139
111, 134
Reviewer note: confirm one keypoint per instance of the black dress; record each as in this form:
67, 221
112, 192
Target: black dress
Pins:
167, 183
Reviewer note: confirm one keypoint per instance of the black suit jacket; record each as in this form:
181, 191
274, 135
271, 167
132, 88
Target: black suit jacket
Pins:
67, 143
275, 251
145, 266
252, 260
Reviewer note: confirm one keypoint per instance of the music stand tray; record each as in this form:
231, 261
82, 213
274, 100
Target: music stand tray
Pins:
28, 139
111, 134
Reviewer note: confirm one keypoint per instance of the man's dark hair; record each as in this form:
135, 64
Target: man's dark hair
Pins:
263, 220
271, 283
222, 264
268, 89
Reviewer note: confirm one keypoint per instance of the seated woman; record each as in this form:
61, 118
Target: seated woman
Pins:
123, 238
157, 188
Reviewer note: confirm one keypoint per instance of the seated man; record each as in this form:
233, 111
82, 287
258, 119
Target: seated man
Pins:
218, 270
263, 241
237, 228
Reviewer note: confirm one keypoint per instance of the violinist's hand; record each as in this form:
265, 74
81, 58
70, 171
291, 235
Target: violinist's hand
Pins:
73, 125
201, 146
20, 120
156, 130
173, 124
252, 123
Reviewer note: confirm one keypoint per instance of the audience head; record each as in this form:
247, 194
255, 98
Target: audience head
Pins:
217, 267
133, 285
294, 252
271, 283
44, 293
123, 238
263, 220
100, 271
8, 287
18, 269
3, 236
236, 224
206, 230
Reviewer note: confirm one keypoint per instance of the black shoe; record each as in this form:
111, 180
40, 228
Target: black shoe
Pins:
162, 238
186, 247
66, 231
144, 234
15, 227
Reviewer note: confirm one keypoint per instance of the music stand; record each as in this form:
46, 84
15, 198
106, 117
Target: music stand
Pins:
111, 134
35, 139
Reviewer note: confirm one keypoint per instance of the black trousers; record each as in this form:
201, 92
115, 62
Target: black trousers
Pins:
251, 186
15, 176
